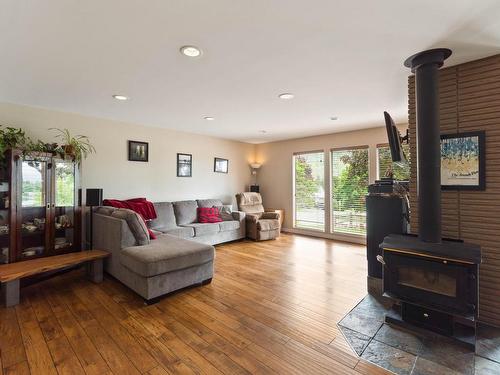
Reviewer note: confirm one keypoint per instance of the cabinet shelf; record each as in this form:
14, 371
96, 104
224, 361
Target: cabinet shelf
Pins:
26, 233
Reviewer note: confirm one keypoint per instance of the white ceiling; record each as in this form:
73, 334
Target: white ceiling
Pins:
339, 58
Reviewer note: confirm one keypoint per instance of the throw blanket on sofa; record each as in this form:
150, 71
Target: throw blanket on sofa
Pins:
143, 207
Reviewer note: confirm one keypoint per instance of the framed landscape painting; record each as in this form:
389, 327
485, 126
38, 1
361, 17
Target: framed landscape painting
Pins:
138, 151
463, 161
184, 165
221, 165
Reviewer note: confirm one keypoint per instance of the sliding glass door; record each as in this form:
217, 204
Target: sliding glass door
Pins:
349, 173
309, 190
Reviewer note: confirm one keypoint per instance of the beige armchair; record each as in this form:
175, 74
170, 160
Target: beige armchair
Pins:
260, 225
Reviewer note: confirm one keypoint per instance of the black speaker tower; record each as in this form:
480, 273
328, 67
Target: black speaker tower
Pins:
93, 199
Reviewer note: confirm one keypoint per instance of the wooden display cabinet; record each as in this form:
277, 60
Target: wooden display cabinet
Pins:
40, 214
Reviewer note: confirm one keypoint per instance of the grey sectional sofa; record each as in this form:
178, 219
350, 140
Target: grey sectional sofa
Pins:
181, 256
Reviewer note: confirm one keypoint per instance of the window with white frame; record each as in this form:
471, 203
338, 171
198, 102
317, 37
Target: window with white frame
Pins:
309, 190
349, 176
401, 172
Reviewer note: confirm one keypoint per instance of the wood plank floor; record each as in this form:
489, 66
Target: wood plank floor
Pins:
272, 308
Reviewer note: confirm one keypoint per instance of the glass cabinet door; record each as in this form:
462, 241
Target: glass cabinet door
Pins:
4, 214
34, 209
64, 202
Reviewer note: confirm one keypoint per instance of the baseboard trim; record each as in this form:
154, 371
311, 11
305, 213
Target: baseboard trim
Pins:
332, 236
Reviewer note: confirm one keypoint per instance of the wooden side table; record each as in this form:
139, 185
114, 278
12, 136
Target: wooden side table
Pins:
12, 273
279, 211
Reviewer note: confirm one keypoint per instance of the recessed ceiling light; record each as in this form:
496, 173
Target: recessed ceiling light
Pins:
209, 118
120, 97
334, 118
286, 95
191, 51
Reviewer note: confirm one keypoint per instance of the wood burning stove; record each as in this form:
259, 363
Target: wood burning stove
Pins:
434, 280
436, 284
440, 276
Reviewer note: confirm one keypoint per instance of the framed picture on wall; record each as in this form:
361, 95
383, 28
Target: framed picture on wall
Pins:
221, 165
138, 151
184, 165
463, 161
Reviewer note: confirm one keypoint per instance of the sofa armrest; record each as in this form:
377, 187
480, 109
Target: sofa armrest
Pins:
253, 218
112, 235
270, 215
238, 215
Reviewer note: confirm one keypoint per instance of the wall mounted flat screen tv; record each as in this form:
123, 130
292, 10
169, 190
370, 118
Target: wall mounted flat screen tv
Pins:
395, 140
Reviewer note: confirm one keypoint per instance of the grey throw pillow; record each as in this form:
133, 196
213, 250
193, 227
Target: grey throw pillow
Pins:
105, 210
135, 223
225, 212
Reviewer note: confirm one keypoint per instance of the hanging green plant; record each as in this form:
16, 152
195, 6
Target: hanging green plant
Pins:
77, 147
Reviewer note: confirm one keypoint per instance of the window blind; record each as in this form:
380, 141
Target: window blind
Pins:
309, 190
349, 170
384, 163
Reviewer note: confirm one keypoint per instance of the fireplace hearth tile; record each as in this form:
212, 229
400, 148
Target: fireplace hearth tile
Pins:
449, 354
394, 348
390, 358
374, 308
400, 339
425, 367
367, 317
488, 342
357, 341
361, 323
486, 367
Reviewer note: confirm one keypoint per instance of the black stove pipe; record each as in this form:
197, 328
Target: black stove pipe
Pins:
425, 65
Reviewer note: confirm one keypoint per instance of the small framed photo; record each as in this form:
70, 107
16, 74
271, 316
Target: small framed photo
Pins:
138, 151
221, 165
463, 161
184, 165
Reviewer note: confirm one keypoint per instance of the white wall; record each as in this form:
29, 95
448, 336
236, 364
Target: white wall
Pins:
109, 168
156, 180
276, 175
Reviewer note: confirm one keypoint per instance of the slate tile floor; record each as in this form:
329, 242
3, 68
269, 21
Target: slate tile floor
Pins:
409, 353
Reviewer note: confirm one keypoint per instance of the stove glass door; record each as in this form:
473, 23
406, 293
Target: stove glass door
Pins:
428, 280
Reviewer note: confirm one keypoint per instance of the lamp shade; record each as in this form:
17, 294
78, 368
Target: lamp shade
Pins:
256, 165
93, 197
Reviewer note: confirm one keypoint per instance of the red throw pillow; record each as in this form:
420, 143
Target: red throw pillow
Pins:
208, 215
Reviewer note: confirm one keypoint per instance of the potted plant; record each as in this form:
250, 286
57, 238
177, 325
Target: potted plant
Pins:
39, 146
12, 138
78, 147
